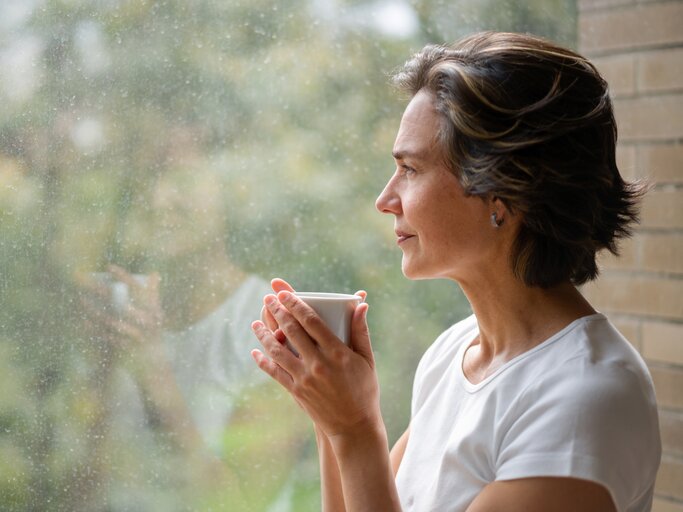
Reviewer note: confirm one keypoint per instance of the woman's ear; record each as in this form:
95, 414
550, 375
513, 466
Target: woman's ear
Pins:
502, 213
499, 211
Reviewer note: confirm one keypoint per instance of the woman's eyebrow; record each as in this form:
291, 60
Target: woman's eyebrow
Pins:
403, 154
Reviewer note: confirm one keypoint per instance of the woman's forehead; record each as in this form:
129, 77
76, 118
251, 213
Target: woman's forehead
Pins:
418, 132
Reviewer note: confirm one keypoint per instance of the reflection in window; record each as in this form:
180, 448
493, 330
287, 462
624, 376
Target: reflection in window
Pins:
201, 148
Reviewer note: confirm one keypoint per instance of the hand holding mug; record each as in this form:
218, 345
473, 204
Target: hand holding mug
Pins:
122, 307
335, 309
335, 384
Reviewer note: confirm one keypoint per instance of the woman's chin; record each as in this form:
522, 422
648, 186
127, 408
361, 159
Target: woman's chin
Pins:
411, 271
416, 272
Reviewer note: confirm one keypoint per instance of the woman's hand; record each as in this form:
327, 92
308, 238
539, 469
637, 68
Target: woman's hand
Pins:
336, 385
268, 319
278, 285
131, 327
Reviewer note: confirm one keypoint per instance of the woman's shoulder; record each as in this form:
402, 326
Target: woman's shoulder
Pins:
439, 357
585, 405
447, 344
591, 364
594, 345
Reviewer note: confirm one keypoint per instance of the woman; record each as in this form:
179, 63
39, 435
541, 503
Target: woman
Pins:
506, 183
177, 398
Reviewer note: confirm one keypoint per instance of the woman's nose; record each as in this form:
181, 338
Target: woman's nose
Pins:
388, 201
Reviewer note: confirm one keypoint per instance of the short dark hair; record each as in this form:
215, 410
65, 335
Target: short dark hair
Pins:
531, 123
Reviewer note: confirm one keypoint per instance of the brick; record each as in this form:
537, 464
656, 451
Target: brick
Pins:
639, 295
671, 429
620, 73
669, 478
660, 70
591, 5
631, 27
650, 118
663, 342
661, 252
663, 163
668, 382
628, 258
627, 161
663, 208
664, 505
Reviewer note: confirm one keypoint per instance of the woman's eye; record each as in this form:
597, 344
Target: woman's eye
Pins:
407, 170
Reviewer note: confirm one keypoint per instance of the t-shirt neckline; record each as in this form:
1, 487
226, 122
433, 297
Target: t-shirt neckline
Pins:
473, 388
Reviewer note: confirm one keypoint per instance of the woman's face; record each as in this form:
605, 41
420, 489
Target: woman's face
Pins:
441, 231
188, 212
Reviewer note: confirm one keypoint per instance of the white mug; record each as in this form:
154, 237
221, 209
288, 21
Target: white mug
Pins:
335, 309
119, 293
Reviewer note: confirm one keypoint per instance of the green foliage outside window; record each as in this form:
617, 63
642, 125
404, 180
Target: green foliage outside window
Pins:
162, 136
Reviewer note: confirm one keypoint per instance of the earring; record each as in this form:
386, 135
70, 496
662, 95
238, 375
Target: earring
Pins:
494, 220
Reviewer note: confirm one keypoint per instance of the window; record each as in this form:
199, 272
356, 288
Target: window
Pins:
212, 144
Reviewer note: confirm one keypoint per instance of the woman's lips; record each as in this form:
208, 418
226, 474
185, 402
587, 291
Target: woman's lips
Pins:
402, 237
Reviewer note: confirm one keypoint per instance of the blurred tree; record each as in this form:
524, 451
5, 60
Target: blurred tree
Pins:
287, 103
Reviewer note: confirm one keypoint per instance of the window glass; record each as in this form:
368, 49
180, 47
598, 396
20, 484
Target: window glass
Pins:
160, 161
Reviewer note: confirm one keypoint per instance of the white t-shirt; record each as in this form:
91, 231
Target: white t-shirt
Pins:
212, 361
211, 365
581, 404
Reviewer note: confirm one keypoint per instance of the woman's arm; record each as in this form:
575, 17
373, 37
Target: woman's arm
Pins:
396, 454
366, 473
543, 493
337, 387
331, 483
330, 478
134, 335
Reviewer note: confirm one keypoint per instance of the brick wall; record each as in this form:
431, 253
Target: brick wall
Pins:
638, 47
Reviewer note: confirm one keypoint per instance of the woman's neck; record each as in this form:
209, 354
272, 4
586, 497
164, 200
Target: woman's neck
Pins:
197, 284
513, 317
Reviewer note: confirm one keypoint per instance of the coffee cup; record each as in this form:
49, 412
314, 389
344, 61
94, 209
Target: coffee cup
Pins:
118, 291
335, 309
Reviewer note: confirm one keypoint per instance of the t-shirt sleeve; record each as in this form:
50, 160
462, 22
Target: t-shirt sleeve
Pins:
599, 425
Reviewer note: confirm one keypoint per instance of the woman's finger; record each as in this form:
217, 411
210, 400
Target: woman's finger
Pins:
279, 335
88, 285
362, 294
108, 326
140, 289
268, 319
276, 351
143, 318
277, 285
131, 332
270, 322
123, 276
272, 369
306, 317
280, 285
293, 330
360, 335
